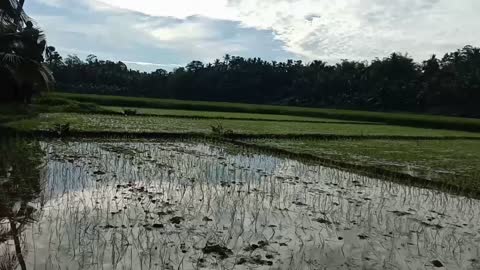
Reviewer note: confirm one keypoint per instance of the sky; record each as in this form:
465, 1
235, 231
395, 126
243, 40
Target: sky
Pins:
152, 34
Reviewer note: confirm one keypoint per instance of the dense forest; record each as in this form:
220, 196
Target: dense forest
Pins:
448, 85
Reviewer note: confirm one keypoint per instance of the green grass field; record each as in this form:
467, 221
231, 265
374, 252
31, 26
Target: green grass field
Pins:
135, 124
222, 115
405, 119
454, 163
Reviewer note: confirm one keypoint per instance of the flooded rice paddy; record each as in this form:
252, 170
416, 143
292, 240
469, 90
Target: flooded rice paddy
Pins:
169, 205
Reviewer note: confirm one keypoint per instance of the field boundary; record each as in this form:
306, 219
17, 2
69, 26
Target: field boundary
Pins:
346, 137
193, 117
234, 136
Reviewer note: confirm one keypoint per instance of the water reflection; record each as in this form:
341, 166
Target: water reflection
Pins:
192, 206
20, 189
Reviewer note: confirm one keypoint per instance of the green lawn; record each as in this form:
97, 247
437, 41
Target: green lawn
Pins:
406, 119
453, 162
96, 122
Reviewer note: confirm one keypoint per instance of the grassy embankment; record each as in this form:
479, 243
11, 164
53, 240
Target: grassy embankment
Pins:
142, 124
453, 164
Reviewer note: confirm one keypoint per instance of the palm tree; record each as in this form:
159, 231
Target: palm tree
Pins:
22, 46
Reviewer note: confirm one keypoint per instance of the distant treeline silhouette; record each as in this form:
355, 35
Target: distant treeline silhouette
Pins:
450, 85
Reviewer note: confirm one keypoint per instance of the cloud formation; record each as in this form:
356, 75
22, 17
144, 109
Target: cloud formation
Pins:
183, 30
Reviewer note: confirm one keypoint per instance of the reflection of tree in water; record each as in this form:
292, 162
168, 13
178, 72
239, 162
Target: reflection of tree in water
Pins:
19, 185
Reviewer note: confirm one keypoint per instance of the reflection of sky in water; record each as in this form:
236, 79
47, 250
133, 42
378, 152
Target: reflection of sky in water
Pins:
311, 216
78, 176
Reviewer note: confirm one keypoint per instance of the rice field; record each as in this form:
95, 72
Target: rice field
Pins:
139, 124
201, 205
98, 186
138, 111
452, 162
403, 119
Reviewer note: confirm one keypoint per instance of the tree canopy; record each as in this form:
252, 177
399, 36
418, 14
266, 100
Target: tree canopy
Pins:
449, 85
22, 48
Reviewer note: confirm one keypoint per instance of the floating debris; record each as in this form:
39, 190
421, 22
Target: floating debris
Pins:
363, 236
176, 220
207, 219
400, 213
219, 250
323, 221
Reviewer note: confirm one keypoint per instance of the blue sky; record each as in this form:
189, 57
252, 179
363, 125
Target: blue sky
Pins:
151, 34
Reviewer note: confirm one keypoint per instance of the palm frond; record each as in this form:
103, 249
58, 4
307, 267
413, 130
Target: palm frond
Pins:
33, 73
21, 51
11, 13
9, 8
11, 59
6, 26
46, 77
8, 77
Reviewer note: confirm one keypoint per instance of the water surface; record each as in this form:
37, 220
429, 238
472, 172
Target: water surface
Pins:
168, 205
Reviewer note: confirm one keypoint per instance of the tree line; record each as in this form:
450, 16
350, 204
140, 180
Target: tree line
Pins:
448, 85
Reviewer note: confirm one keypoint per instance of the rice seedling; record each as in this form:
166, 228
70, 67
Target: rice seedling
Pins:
192, 205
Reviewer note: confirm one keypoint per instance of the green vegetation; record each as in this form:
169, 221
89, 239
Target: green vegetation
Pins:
454, 163
123, 197
58, 104
420, 152
405, 119
447, 85
219, 115
14, 112
136, 124
23, 72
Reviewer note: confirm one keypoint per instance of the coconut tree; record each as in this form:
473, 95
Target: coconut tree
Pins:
22, 46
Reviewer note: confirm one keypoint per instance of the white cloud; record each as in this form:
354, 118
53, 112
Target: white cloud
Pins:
84, 26
311, 29
152, 64
179, 8
184, 31
53, 3
161, 31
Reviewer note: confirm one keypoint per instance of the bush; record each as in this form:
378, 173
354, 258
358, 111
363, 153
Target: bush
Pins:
58, 104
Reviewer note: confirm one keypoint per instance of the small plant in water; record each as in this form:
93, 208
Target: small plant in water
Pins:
128, 112
61, 129
219, 130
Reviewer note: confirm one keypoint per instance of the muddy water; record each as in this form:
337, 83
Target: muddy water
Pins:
198, 206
